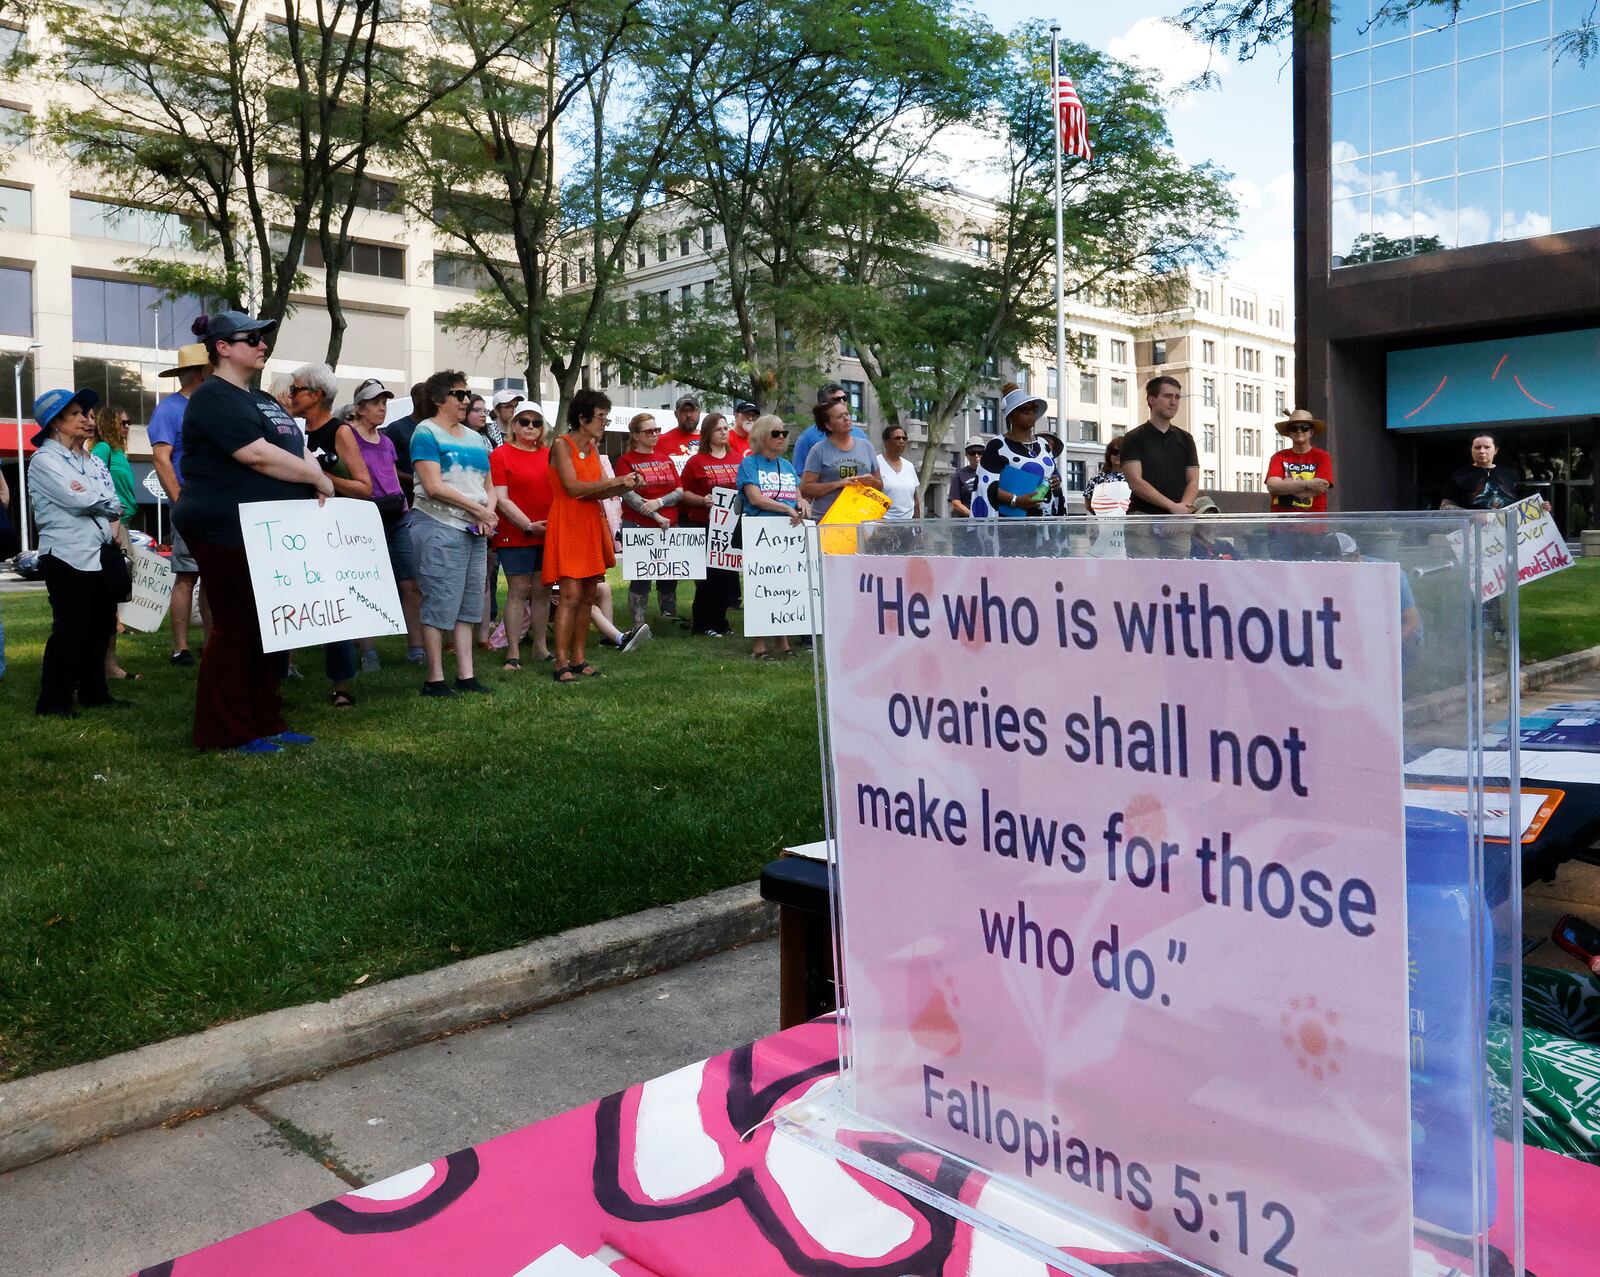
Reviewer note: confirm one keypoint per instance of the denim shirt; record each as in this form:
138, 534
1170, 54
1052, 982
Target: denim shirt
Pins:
73, 504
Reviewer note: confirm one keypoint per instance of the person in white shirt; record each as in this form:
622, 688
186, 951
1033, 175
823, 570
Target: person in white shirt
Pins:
899, 475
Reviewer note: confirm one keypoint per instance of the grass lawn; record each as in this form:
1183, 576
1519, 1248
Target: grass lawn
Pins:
1561, 613
147, 890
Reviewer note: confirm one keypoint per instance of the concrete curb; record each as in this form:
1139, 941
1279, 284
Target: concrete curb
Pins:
52, 1113
1440, 705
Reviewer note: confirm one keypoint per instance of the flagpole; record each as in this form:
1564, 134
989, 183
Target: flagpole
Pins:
1061, 306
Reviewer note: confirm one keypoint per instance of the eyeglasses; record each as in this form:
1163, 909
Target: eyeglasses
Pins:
652, 430
461, 396
777, 434
249, 339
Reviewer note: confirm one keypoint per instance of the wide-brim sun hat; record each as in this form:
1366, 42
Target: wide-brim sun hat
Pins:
190, 356
1017, 398
50, 405
1300, 417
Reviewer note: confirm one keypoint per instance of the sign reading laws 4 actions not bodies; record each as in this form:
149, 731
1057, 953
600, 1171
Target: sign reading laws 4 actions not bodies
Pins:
1122, 869
779, 596
663, 554
147, 607
320, 572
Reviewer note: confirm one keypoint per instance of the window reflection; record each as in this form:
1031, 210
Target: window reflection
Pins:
1452, 127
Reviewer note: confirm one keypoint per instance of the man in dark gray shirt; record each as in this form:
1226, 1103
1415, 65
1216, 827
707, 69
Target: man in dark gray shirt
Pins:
964, 480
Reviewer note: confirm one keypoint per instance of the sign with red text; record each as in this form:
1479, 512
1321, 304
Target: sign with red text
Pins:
319, 572
1541, 549
1121, 847
723, 519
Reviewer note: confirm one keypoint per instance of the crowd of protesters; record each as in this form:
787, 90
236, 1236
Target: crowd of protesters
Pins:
468, 488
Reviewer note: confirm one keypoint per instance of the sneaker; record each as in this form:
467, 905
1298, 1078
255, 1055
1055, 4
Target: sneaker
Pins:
370, 664
185, 657
472, 685
260, 745
292, 738
416, 656
713, 634
630, 639
441, 688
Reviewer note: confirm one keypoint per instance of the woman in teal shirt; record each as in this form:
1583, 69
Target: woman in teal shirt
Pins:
111, 446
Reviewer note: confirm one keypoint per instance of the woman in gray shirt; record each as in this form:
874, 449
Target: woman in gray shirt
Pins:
77, 511
838, 460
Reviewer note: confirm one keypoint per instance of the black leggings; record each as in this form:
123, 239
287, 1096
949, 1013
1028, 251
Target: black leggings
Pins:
83, 618
712, 599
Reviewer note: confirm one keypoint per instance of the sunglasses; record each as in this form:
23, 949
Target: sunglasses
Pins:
1299, 430
249, 339
652, 430
461, 396
300, 390
531, 425
778, 434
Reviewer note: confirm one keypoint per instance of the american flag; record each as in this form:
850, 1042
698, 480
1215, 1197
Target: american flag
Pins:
1072, 121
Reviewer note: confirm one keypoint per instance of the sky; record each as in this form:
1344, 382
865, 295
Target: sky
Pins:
1243, 125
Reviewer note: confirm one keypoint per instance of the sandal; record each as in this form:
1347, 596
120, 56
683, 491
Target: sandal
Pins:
564, 674
342, 700
761, 656
513, 664
586, 670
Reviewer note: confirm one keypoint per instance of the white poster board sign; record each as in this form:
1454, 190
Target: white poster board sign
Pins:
152, 593
778, 596
724, 518
1134, 939
320, 572
663, 554
1541, 549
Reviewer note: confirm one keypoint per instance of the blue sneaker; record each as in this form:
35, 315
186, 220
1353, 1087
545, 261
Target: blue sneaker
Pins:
293, 738
260, 745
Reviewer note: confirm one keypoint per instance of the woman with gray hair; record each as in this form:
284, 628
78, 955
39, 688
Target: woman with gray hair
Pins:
333, 445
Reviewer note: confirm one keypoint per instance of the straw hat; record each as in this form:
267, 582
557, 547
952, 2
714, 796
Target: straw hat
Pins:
191, 356
1301, 417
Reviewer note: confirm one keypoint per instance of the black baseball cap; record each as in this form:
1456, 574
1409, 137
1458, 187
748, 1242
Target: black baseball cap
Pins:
745, 406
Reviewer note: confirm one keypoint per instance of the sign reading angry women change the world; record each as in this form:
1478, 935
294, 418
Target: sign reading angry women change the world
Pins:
320, 572
780, 596
1121, 850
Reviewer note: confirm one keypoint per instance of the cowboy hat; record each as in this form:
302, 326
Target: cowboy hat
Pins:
1300, 417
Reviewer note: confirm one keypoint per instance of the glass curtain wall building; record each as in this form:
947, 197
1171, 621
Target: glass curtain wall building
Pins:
1448, 248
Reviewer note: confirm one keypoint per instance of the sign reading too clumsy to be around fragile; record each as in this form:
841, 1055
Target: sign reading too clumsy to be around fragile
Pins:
320, 572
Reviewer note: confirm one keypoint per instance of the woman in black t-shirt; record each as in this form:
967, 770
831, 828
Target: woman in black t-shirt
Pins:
239, 445
1482, 485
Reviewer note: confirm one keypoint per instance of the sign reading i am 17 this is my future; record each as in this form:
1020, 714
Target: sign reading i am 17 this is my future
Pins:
1121, 853
320, 572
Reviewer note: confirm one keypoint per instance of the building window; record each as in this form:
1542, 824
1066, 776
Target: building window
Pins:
1202, 299
991, 367
16, 127
988, 414
153, 227
1073, 479
661, 248
642, 257
705, 238
1208, 352
1052, 381
1281, 404
980, 245
1246, 397
1089, 431
1208, 392
847, 351
857, 390
686, 295
451, 270
708, 291
1280, 367
1119, 392
1275, 318
921, 409
583, 270
664, 304
1246, 359
118, 312
16, 208
1088, 387
1158, 354
684, 243
1208, 478
1119, 351
1243, 309
1209, 441
16, 301
1089, 345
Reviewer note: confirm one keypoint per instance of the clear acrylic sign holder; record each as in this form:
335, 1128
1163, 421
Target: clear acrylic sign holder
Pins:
1326, 1079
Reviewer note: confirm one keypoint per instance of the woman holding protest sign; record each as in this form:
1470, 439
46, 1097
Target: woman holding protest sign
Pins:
713, 466
239, 445
838, 459
455, 515
520, 470
578, 548
653, 504
769, 488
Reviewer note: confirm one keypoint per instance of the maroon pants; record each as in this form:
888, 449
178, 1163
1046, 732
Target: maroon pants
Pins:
236, 697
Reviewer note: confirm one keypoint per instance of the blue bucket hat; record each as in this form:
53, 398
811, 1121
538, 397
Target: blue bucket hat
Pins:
50, 405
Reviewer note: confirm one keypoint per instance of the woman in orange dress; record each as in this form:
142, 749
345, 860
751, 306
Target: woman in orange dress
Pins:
577, 539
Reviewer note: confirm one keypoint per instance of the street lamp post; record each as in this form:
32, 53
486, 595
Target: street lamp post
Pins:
22, 468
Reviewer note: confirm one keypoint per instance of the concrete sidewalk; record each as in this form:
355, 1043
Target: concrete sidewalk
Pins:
108, 1210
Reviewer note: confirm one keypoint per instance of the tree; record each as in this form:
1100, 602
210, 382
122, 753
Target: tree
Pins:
258, 124
929, 302
1378, 247
1245, 27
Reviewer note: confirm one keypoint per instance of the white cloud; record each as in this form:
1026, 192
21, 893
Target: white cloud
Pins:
1173, 55
1263, 255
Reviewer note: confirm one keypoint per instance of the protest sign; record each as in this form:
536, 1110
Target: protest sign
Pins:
1122, 871
663, 554
320, 572
1541, 549
147, 607
724, 518
779, 596
856, 503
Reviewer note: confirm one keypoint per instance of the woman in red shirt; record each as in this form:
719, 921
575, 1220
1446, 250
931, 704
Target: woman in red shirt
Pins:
520, 472
653, 504
714, 466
